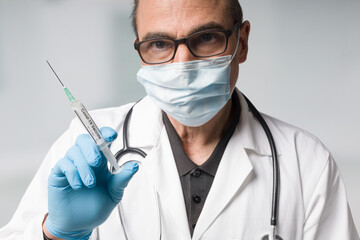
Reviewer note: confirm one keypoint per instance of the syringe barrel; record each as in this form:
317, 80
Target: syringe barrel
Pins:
110, 157
87, 121
94, 131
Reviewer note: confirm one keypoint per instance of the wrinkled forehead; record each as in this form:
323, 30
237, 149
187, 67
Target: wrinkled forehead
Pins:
179, 17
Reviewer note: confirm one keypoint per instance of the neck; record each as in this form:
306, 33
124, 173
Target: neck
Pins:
199, 142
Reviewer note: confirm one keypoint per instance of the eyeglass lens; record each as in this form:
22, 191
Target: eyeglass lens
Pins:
202, 44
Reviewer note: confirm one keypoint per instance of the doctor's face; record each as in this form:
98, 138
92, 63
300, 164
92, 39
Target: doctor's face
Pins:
179, 18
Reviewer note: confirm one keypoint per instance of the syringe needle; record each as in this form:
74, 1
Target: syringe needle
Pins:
55, 73
68, 94
89, 124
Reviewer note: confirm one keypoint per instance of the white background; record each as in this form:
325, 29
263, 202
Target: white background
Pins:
303, 67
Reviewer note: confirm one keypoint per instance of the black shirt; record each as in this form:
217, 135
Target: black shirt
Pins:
196, 180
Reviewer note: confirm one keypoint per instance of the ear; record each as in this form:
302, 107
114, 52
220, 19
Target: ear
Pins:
243, 44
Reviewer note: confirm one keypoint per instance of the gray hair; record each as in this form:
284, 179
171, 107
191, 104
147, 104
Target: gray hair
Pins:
233, 5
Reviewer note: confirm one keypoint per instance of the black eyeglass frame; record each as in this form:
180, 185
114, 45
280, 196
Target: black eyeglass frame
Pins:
227, 33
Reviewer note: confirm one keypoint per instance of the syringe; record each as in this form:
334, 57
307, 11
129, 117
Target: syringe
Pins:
89, 124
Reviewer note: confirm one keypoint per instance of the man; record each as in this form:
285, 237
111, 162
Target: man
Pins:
208, 169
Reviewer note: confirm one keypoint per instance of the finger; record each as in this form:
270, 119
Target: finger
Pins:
108, 134
118, 182
89, 150
85, 171
63, 174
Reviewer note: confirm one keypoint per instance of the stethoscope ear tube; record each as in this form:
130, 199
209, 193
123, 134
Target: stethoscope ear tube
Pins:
276, 175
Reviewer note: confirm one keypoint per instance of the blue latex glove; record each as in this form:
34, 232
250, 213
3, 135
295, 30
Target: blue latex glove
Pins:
82, 192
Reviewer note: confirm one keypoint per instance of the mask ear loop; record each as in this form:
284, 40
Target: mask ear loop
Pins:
237, 44
236, 49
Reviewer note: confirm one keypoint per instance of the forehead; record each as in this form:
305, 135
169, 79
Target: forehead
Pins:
179, 17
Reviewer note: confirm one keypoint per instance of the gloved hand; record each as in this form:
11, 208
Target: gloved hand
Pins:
82, 192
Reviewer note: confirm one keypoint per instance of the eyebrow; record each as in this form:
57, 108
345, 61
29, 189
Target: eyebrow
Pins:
208, 26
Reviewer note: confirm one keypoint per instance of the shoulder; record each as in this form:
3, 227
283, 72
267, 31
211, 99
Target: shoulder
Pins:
294, 142
308, 171
303, 157
289, 137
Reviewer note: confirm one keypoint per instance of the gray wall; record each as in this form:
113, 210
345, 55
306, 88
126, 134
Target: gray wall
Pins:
303, 67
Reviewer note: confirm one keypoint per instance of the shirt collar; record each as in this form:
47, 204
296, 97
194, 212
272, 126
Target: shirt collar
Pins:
184, 164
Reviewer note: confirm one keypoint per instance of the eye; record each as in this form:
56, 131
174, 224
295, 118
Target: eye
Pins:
160, 45
208, 43
207, 37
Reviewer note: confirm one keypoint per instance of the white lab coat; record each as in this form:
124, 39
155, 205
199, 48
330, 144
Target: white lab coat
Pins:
313, 202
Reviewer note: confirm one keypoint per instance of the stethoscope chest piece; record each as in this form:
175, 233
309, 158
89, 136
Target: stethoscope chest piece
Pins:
268, 237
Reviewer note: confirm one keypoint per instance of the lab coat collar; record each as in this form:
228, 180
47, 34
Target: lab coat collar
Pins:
143, 130
145, 124
146, 131
250, 133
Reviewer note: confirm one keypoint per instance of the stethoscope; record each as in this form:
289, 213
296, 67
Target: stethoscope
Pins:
276, 171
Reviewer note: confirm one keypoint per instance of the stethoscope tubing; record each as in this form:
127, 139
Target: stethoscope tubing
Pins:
276, 171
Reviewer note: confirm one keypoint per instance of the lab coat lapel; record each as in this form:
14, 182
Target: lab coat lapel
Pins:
146, 131
161, 169
232, 175
235, 167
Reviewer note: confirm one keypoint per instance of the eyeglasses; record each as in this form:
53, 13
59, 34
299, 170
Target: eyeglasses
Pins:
203, 44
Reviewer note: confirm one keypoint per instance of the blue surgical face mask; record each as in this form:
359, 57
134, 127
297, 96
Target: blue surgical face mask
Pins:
191, 92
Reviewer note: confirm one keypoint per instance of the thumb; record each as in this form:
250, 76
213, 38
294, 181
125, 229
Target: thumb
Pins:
118, 182
108, 134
